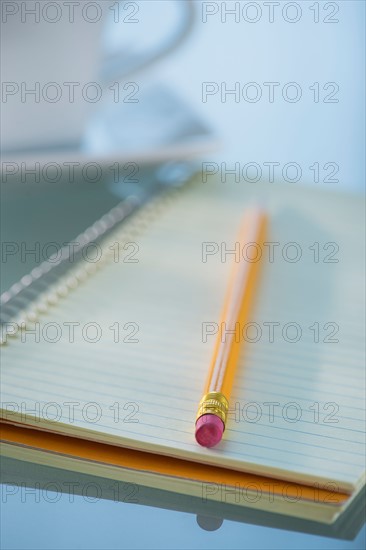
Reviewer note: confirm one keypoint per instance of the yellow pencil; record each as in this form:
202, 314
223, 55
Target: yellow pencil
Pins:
214, 405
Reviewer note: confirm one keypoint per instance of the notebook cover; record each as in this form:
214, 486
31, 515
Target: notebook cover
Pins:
159, 465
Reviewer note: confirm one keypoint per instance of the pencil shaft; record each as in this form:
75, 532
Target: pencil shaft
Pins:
238, 302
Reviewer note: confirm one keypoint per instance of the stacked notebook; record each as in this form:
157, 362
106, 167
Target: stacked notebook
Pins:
109, 364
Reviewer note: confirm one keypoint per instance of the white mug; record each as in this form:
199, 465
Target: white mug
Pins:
55, 67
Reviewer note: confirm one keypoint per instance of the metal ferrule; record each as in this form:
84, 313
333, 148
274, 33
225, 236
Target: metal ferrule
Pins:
214, 403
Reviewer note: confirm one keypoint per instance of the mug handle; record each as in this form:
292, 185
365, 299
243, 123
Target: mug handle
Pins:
113, 69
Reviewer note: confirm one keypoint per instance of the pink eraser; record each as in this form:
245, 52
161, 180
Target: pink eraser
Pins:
209, 430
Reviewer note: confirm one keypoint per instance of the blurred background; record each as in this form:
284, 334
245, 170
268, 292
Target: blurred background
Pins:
266, 83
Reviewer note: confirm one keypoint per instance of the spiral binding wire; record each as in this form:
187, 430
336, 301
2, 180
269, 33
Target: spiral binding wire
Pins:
46, 284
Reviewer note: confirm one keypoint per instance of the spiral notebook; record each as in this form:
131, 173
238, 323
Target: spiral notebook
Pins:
117, 351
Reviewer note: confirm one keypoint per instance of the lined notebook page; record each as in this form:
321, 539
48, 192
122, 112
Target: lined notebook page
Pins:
297, 408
